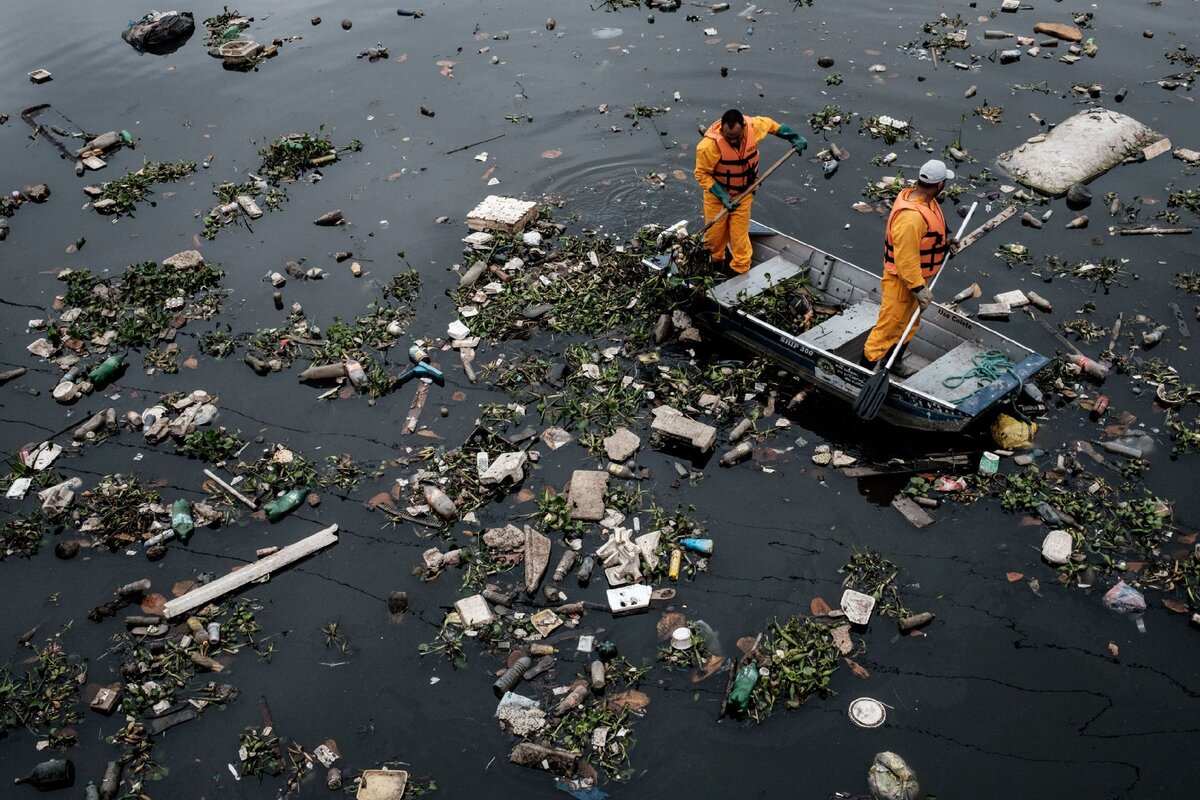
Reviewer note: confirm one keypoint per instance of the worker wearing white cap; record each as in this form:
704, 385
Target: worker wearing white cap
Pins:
914, 248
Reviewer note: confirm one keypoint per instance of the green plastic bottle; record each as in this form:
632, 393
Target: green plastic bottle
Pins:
287, 502
230, 33
743, 685
106, 369
181, 520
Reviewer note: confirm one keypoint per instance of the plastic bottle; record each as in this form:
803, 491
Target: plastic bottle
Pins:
736, 454
564, 565
606, 650
57, 773
1091, 368
573, 698
676, 564
230, 33
283, 505
598, 676
91, 791
496, 598
743, 685
704, 546
584, 574
509, 680
181, 519
137, 587
106, 369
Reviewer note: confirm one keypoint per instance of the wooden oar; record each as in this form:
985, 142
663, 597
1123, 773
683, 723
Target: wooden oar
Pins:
750, 190
875, 391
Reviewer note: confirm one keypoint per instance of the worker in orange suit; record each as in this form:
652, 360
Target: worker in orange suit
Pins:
726, 165
915, 247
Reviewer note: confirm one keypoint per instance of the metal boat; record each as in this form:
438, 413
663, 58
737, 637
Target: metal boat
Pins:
939, 385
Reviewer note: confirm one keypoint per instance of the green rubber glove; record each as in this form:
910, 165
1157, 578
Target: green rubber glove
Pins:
796, 140
719, 192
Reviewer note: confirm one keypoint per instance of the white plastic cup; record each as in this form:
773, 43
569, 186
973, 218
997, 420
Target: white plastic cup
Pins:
681, 638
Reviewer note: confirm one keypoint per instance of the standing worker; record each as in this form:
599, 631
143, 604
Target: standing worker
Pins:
726, 165
914, 249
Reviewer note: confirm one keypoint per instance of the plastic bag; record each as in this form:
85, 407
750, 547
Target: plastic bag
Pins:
1011, 433
1124, 599
890, 778
160, 32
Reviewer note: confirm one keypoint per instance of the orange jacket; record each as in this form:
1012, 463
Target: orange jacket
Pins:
933, 244
734, 170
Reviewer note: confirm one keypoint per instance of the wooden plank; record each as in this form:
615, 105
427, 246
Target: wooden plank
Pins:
912, 512
235, 580
841, 328
991, 224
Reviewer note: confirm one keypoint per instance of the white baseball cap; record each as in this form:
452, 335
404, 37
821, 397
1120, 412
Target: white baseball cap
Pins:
934, 171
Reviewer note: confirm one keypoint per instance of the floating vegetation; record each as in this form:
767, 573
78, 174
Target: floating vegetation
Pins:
641, 110
43, 700
596, 395
1187, 282
218, 26
277, 470
790, 304
562, 290
448, 642
886, 128
1083, 329
120, 511
210, 445
21, 536
133, 187
1185, 438
829, 117
602, 726
992, 114
284, 161
870, 573
799, 658
885, 190
459, 466
1104, 273
834, 80
146, 303
554, 514
1189, 199
258, 752
945, 33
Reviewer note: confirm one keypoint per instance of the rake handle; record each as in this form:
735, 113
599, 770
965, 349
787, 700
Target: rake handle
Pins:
750, 189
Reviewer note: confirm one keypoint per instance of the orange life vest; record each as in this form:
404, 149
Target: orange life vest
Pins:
736, 169
934, 244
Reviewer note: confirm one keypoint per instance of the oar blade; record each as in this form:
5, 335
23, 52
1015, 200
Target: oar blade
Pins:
872, 396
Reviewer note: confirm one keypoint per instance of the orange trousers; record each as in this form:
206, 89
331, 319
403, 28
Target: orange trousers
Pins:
732, 230
897, 309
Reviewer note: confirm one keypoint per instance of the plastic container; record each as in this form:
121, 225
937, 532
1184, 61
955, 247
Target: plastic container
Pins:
681, 638
508, 681
989, 463
697, 545
676, 564
283, 505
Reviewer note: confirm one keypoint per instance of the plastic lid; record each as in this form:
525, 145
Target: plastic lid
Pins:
867, 712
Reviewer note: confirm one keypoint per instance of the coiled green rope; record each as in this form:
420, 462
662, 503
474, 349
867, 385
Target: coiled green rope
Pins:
986, 367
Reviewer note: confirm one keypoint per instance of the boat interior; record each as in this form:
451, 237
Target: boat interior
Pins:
944, 347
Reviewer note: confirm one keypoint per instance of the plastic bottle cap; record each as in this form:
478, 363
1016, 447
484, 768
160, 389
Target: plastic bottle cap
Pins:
866, 712
681, 638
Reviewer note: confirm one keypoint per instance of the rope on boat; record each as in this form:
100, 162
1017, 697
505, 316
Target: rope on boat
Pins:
986, 367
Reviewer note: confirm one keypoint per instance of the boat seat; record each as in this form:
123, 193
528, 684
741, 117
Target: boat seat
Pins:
756, 280
841, 328
957, 361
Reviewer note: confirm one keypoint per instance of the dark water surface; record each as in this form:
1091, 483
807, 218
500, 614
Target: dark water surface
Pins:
1010, 695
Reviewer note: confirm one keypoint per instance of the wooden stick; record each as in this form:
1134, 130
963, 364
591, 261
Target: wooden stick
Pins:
249, 503
252, 572
414, 410
992, 223
1151, 231
750, 190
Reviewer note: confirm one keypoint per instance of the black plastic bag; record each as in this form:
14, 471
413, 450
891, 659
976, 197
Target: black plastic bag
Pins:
160, 32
